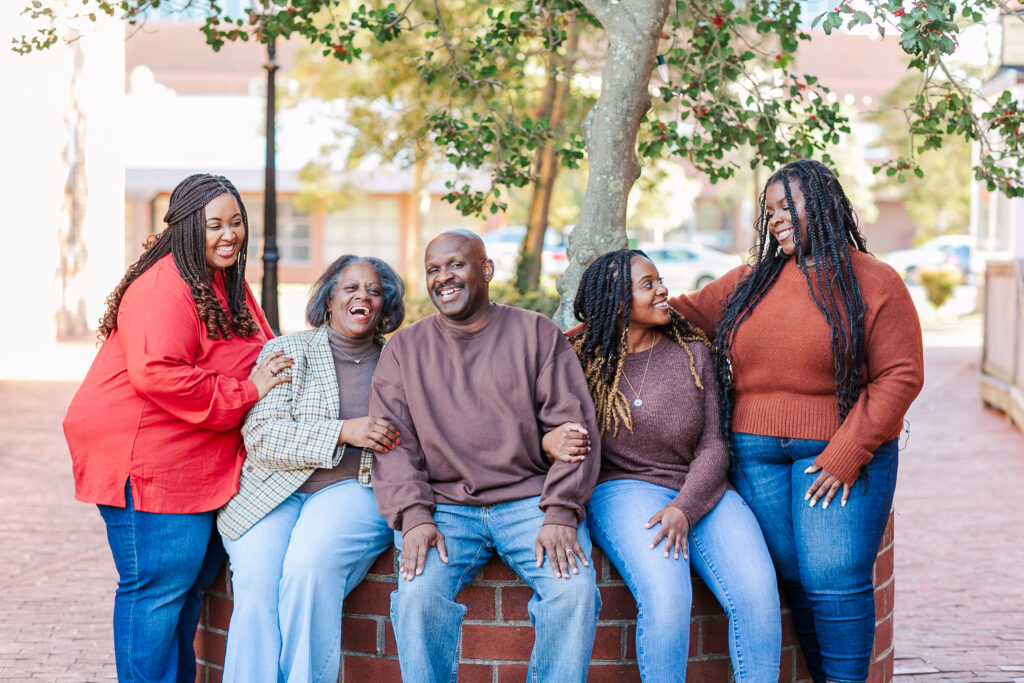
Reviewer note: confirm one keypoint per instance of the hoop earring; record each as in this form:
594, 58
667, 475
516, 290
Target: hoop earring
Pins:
327, 317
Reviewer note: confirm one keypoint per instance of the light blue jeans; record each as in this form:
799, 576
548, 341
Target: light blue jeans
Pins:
428, 621
164, 561
824, 557
726, 550
290, 573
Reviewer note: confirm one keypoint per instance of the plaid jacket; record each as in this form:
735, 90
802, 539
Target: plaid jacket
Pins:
289, 433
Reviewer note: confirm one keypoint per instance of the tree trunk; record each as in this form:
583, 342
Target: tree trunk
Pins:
413, 256
610, 130
528, 266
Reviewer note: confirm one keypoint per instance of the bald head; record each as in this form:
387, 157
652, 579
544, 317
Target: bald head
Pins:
458, 271
468, 238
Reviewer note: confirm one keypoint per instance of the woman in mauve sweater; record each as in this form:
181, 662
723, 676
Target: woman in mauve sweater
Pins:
818, 356
663, 474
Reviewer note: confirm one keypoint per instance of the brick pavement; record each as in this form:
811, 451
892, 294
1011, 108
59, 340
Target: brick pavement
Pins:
959, 548
56, 575
959, 530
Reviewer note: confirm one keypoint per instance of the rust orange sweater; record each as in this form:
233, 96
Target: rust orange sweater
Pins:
783, 373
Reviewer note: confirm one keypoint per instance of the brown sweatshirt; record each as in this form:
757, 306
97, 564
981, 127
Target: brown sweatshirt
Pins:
675, 441
472, 408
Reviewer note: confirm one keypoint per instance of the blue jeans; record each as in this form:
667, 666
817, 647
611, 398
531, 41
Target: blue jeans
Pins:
726, 550
289, 575
163, 562
823, 557
428, 621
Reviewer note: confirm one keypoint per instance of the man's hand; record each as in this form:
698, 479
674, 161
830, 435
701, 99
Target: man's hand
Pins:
824, 486
568, 442
415, 544
675, 529
562, 546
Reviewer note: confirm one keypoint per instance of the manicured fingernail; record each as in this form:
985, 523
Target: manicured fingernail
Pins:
807, 496
807, 471
842, 503
813, 502
824, 506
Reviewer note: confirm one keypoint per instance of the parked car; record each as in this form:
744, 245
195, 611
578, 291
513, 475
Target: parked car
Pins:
945, 249
503, 248
685, 267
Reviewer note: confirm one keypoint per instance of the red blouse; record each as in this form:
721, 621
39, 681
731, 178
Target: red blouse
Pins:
162, 403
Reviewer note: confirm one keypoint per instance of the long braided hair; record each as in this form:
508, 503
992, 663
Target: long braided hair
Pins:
185, 240
605, 296
833, 231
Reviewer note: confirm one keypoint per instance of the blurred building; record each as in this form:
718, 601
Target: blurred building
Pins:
205, 110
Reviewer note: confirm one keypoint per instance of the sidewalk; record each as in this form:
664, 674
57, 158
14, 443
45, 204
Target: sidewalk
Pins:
959, 528
959, 536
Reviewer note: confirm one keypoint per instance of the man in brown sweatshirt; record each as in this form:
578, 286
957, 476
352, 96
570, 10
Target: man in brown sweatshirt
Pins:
472, 390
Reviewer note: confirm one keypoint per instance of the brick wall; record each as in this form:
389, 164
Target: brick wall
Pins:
497, 636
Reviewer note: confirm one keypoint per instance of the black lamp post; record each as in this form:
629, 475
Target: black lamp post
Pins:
268, 295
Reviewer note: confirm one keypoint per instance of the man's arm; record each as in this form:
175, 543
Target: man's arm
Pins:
400, 480
562, 396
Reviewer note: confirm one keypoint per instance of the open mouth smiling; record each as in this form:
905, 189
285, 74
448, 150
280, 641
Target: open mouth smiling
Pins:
448, 292
359, 312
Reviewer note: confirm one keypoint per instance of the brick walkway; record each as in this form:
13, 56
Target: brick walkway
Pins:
959, 538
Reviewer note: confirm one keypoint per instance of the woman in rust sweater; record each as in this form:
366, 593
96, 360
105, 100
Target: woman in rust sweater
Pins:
818, 356
662, 493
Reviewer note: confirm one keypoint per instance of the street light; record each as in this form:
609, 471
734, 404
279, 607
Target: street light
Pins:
268, 293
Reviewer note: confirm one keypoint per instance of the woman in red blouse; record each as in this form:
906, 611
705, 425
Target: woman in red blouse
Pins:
154, 429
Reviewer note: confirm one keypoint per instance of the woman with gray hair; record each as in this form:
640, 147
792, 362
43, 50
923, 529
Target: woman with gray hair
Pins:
303, 529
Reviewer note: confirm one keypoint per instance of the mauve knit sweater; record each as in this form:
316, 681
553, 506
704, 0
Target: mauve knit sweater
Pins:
675, 441
783, 371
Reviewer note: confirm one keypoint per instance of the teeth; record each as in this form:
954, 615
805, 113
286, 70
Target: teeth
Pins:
449, 290
359, 310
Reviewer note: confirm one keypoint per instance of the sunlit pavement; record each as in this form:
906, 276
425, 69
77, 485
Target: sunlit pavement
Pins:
959, 526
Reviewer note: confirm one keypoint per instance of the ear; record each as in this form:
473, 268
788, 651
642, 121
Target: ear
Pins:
488, 270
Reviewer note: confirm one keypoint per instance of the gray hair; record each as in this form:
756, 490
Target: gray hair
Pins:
391, 284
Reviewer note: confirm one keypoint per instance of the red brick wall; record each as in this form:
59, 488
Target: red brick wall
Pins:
497, 636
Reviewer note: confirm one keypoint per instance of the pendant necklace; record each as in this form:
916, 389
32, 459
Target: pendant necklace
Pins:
356, 360
637, 401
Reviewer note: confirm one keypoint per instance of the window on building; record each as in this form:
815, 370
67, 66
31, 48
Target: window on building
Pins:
293, 231
180, 11
370, 227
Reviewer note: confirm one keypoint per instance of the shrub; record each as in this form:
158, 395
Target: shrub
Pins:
939, 283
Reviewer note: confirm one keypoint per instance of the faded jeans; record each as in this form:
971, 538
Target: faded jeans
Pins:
428, 621
726, 550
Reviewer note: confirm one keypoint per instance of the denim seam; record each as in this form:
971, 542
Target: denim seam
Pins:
337, 646
135, 573
740, 672
640, 654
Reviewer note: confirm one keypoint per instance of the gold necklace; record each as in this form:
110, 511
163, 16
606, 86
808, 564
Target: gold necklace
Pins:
637, 401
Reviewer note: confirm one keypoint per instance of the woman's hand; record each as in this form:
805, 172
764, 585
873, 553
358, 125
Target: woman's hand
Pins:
375, 433
825, 486
568, 442
266, 374
674, 528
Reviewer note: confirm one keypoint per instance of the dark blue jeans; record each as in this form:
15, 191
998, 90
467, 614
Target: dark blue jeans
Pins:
163, 564
823, 557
